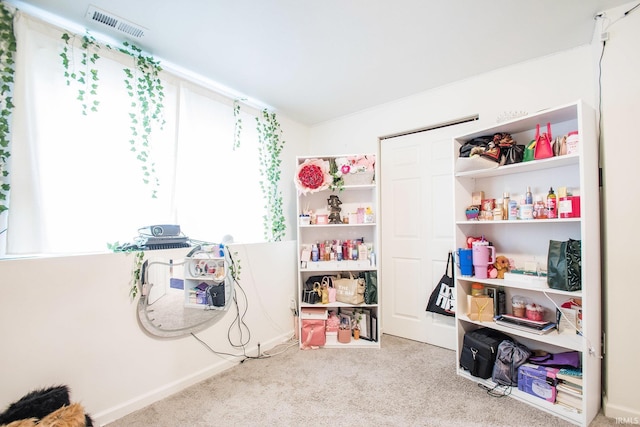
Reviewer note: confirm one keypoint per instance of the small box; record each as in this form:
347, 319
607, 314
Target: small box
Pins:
477, 197
569, 207
481, 308
322, 219
317, 313
539, 381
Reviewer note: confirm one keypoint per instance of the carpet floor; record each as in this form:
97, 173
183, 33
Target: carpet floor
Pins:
404, 383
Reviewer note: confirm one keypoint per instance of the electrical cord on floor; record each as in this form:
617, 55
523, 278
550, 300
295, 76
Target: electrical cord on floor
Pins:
242, 326
495, 390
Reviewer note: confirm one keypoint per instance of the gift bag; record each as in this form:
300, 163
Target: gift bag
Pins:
371, 287
313, 333
442, 299
529, 151
350, 290
564, 271
330, 290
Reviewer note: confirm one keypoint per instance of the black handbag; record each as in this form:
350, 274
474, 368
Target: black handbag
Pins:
564, 265
479, 350
215, 295
443, 298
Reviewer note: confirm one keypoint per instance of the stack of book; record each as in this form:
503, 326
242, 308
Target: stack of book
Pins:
523, 324
569, 389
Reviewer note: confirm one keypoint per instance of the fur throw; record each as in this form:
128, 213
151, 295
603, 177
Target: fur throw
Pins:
48, 407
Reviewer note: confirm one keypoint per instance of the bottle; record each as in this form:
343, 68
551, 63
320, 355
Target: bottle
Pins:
505, 205
528, 197
314, 253
552, 211
513, 210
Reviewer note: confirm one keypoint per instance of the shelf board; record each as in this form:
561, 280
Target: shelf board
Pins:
564, 340
332, 342
518, 285
354, 187
534, 165
368, 224
557, 410
336, 304
527, 222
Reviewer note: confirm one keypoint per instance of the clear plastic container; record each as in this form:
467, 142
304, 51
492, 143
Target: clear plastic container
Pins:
535, 312
518, 306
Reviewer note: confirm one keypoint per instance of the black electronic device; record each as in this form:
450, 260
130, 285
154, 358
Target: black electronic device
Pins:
162, 242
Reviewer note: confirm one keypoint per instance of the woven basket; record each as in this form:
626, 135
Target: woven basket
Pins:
361, 178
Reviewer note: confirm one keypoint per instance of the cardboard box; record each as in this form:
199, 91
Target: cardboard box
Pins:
539, 381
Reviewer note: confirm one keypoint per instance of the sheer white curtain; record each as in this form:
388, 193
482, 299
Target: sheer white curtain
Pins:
75, 184
217, 191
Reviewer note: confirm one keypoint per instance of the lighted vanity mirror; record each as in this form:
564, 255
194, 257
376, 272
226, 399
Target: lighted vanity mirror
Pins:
183, 292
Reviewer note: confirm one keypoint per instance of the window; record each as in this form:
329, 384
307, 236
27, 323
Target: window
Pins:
75, 184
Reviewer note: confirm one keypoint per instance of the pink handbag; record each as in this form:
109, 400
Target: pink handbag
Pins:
543, 149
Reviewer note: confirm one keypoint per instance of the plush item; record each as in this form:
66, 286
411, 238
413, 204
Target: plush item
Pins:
66, 416
47, 407
492, 272
502, 266
36, 404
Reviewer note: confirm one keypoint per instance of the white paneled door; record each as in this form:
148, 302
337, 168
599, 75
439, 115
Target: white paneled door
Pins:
416, 232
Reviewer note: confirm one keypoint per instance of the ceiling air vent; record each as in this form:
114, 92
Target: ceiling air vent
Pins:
114, 22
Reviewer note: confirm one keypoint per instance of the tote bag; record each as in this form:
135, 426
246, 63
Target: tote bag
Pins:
442, 299
564, 265
349, 290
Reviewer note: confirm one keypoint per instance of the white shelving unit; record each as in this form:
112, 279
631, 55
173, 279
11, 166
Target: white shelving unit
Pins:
356, 196
528, 240
206, 268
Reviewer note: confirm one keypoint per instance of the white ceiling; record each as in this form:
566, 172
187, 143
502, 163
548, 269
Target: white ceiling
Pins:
314, 61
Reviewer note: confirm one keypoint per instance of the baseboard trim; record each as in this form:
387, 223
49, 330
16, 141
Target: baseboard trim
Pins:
105, 417
621, 414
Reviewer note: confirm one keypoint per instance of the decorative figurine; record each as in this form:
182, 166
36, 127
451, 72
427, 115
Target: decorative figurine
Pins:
334, 205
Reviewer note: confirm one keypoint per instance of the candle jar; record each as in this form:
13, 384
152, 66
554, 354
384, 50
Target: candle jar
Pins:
519, 306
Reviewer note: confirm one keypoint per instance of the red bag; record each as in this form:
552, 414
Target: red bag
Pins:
313, 333
543, 148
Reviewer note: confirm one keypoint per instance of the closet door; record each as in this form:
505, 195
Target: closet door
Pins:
416, 232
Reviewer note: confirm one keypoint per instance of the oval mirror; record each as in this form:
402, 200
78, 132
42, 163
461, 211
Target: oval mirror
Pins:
183, 293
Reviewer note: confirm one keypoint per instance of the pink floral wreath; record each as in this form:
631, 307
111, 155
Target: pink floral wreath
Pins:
312, 176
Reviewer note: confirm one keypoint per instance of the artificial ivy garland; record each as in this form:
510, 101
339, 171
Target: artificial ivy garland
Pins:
145, 88
269, 149
85, 76
143, 85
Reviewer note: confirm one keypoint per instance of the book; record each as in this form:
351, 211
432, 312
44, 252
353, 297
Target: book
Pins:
569, 399
573, 376
548, 327
570, 388
535, 324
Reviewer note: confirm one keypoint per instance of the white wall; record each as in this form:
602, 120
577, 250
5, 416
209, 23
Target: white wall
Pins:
69, 320
621, 110
532, 86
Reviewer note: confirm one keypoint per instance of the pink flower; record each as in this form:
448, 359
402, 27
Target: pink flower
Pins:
313, 175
